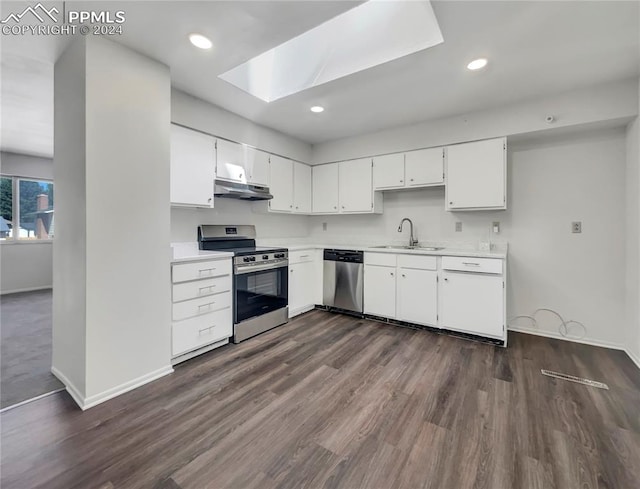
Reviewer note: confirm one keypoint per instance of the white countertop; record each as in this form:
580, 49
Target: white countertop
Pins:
448, 249
190, 252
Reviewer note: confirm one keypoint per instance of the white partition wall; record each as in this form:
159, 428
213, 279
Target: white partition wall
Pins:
111, 328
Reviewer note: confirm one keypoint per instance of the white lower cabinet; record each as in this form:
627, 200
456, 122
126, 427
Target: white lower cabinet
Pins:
201, 307
472, 303
380, 290
200, 331
304, 277
458, 293
417, 296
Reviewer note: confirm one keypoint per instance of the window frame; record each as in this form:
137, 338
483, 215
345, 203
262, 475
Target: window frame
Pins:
15, 209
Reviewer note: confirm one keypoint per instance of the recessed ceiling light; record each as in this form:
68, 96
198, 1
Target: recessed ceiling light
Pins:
317, 109
477, 64
199, 41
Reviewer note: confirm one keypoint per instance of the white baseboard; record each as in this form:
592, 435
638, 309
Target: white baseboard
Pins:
558, 336
91, 401
28, 289
70, 387
300, 310
634, 358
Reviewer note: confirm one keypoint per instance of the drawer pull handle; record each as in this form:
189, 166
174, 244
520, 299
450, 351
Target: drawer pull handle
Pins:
207, 330
471, 264
304, 256
208, 270
208, 304
210, 287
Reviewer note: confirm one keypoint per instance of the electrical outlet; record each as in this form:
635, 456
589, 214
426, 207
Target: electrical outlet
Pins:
576, 227
458, 227
324, 226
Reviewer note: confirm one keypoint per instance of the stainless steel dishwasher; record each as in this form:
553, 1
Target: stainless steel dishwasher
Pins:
343, 280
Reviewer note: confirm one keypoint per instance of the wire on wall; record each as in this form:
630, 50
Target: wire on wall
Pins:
564, 328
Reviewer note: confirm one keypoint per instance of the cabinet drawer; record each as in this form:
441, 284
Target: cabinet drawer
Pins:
183, 272
418, 262
301, 256
380, 259
470, 264
199, 331
200, 306
201, 288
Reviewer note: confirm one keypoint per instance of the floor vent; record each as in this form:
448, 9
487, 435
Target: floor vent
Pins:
571, 378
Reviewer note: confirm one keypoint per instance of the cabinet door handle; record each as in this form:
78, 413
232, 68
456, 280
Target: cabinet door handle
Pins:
304, 256
343, 207
450, 203
446, 279
471, 264
291, 270
401, 181
392, 274
411, 179
334, 207
240, 175
403, 275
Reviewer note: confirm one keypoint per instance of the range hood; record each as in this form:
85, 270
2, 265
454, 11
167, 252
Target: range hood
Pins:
241, 191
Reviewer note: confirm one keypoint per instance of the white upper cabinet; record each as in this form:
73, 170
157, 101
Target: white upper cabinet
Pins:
388, 171
421, 168
281, 184
476, 175
193, 167
230, 161
325, 189
256, 164
356, 186
301, 188
424, 167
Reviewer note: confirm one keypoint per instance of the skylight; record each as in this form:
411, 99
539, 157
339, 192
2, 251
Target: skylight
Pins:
368, 35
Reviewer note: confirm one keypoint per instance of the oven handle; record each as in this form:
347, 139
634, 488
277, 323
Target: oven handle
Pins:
258, 268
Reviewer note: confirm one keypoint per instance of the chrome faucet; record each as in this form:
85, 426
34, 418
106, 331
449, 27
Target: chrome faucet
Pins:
412, 240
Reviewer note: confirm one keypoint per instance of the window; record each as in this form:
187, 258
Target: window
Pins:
26, 209
6, 208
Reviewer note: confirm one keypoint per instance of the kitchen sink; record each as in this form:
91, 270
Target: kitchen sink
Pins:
405, 247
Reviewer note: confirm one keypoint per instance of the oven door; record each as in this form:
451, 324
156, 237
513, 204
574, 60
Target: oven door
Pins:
259, 292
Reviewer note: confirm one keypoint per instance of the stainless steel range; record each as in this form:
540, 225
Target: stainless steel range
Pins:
260, 278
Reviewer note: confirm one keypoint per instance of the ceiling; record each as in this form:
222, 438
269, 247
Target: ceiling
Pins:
534, 48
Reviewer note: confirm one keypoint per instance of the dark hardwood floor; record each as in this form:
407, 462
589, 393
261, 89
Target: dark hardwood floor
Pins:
329, 401
25, 339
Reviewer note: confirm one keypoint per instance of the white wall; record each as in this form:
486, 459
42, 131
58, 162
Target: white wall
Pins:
198, 114
632, 340
69, 252
117, 215
552, 181
22, 165
184, 221
25, 266
608, 102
